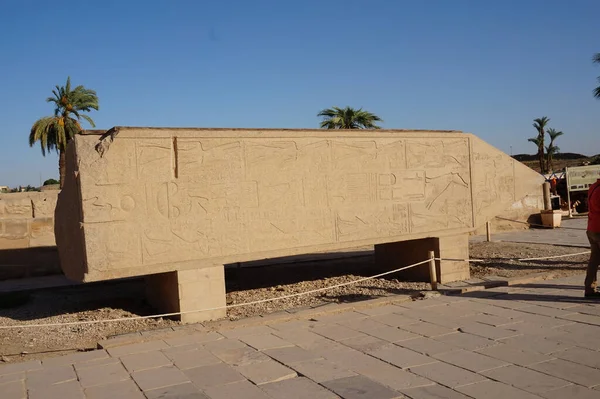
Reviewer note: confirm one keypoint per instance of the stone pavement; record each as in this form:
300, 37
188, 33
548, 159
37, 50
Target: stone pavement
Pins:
560, 236
531, 341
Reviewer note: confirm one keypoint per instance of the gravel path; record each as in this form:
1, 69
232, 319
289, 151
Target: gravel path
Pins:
126, 298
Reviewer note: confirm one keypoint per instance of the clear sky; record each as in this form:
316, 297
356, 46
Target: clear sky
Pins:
481, 66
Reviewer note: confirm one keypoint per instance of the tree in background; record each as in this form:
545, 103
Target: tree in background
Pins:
55, 132
540, 125
348, 118
596, 60
552, 149
50, 182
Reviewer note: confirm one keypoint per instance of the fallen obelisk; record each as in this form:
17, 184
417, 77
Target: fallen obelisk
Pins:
176, 204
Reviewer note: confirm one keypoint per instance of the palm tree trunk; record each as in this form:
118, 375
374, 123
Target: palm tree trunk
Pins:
62, 167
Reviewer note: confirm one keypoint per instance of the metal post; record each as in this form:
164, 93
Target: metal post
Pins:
568, 191
488, 231
432, 271
546, 191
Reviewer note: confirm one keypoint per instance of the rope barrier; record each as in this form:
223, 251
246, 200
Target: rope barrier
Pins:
539, 225
87, 322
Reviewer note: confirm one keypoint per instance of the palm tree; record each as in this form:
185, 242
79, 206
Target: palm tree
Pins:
551, 150
539, 125
55, 132
596, 60
348, 118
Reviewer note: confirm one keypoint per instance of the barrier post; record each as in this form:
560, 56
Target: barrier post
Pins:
488, 231
432, 271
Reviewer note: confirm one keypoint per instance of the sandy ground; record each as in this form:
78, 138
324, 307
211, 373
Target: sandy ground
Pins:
126, 298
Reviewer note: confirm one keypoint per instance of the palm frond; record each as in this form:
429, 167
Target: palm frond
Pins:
54, 133
348, 118
89, 120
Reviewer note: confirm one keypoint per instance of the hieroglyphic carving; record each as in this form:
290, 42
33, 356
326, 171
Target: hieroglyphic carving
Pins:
210, 160
493, 181
154, 159
195, 194
447, 154
371, 222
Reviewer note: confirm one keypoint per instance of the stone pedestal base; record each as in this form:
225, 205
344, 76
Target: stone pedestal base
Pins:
186, 290
403, 253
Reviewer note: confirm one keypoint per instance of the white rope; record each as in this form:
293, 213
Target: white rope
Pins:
460, 260
555, 257
515, 259
75, 323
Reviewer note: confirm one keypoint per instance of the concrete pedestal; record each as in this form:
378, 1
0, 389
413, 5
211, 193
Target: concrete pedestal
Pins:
186, 290
403, 253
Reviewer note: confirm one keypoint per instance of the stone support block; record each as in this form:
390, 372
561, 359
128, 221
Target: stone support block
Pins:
187, 290
403, 253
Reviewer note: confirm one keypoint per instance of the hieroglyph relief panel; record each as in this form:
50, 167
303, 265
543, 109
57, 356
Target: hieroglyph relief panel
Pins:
493, 180
183, 198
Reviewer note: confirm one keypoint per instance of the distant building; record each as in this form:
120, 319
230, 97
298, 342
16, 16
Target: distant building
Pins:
4, 189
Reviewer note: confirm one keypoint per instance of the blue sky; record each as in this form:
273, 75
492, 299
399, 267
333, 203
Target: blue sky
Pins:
481, 66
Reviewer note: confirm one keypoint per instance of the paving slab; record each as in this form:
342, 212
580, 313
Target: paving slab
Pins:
191, 357
433, 392
340, 317
297, 388
241, 356
377, 370
526, 379
447, 374
364, 343
214, 375
472, 361
266, 372
194, 338
573, 372
401, 357
335, 332
180, 391
41, 379
511, 354
122, 389
584, 356
102, 374
241, 331
466, 341
14, 390
265, 341
359, 387
390, 334
145, 360
159, 378
320, 370
428, 329
536, 344
300, 337
137, 348
242, 389
74, 358
291, 354
395, 319
572, 392
4, 379
427, 346
496, 390
71, 390
493, 320
488, 331
20, 367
